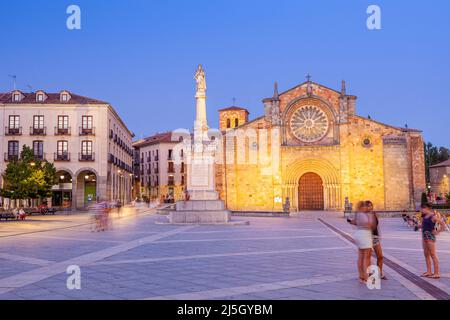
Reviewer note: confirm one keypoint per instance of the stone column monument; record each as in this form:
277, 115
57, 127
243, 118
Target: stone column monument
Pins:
203, 205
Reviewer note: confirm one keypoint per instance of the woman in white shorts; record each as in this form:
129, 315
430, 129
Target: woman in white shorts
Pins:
363, 239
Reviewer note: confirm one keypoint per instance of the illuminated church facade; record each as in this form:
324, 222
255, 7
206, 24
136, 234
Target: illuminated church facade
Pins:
311, 146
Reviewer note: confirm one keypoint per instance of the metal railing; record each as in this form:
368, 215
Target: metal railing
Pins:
86, 156
11, 157
87, 131
62, 131
64, 156
13, 131
38, 131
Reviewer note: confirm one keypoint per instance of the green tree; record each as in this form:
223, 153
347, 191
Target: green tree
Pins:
424, 198
28, 177
434, 155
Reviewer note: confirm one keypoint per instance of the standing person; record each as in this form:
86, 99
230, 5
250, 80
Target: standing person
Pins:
429, 232
368, 206
363, 238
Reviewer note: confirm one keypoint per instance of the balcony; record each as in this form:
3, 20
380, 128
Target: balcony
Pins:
11, 157
62, 131
86, 156
87, 131
111, 158
40, 157
13, 131
61, 156
171, 182
38, 131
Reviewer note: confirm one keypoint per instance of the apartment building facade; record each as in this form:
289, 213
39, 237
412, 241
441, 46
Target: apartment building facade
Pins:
84, 138
161, 170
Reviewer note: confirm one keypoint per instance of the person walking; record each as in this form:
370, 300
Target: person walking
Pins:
429, 233
368, 207
363, 239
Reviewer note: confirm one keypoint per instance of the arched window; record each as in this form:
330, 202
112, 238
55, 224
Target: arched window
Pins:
236, 122
228, 123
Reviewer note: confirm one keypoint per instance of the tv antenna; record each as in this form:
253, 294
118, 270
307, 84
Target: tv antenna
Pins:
14, 77
30, 88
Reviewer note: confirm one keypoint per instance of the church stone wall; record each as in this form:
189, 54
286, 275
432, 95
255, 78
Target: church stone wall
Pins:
397, 182
244, 184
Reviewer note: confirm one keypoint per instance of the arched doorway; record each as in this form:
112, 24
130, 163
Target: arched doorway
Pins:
86, 188
62, 190
310, 192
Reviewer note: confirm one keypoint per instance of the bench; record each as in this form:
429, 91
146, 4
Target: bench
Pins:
7, 215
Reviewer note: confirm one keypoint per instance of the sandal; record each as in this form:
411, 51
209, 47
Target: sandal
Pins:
435, 276
426, 275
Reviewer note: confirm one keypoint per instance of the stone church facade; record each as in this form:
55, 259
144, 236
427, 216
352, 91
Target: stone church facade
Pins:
311, 146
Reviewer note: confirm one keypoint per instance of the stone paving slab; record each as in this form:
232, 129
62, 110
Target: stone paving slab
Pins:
272, 258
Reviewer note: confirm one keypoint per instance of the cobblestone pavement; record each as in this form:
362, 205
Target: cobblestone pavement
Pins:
271, 258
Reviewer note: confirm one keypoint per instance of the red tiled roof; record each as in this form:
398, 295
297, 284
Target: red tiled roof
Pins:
234, 108
442, 164
52, 98
155, 139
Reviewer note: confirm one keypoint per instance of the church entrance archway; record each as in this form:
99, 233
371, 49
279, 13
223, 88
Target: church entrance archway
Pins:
310, 192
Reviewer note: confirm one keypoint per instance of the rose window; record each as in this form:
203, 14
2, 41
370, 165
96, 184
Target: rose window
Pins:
309, 124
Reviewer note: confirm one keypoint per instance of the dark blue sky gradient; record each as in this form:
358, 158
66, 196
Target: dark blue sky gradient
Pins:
141, 55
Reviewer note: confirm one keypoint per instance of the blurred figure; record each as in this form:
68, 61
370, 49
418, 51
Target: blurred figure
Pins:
22, 213
431, 226
15, 213
97, 211
363, 239
368, 207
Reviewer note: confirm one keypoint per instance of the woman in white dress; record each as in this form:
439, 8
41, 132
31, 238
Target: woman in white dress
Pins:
364, 223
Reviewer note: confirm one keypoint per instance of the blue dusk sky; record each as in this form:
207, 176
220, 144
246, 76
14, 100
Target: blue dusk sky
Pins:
141, 56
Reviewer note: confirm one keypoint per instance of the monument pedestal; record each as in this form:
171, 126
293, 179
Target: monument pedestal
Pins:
200, 212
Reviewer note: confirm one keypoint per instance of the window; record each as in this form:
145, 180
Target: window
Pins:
40, 97
86, 151
63, 122
171, 169
16, 97
86, 125
86, 122
236, 122
64, 97
228, 123
38, 149
38, 122
13, 148
14, 122
169, 157
62, 147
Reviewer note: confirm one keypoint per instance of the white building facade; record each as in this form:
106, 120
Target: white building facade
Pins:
162, 173
84, 138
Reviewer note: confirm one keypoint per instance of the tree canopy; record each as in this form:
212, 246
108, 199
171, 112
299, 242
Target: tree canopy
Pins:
434, 155
28, 177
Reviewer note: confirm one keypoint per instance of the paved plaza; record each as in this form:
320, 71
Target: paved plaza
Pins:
271, 258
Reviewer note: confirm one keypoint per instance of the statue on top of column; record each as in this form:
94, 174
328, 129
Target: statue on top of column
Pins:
200, 78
